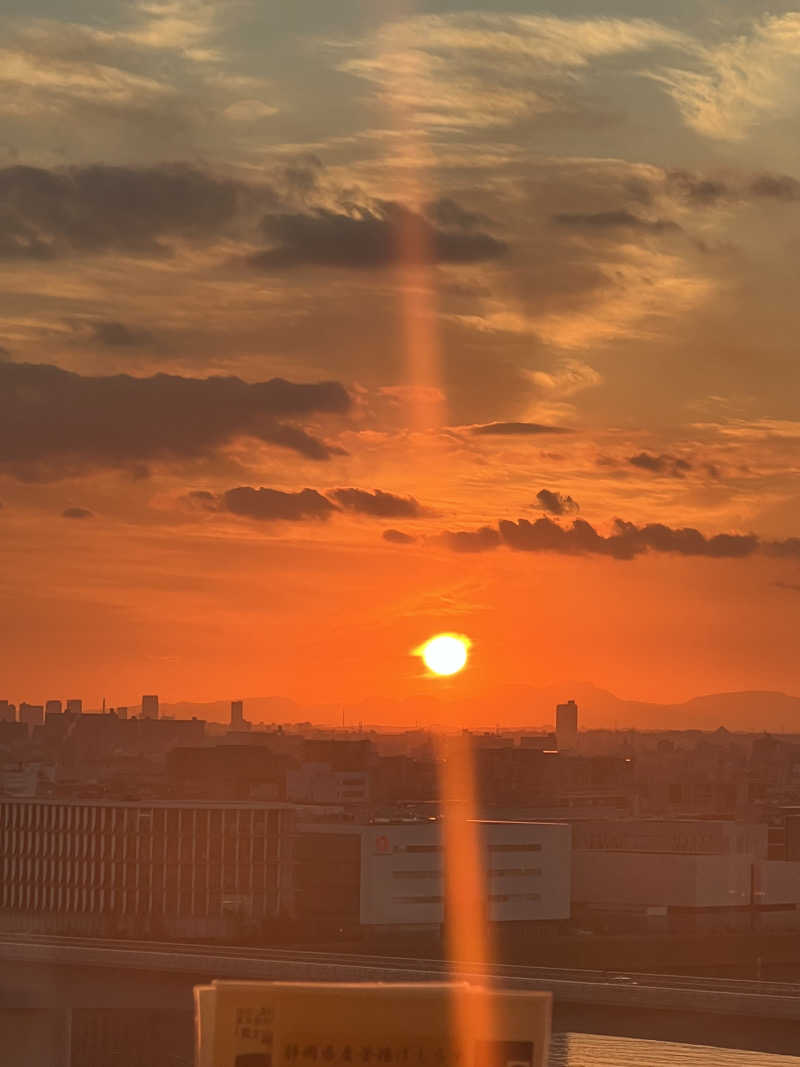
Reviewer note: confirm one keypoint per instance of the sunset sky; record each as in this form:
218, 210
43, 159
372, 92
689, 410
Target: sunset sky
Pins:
329, 325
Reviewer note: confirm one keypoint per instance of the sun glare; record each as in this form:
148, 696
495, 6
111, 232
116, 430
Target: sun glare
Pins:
445, 653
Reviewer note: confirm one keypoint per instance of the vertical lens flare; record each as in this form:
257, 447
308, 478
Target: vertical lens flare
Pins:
418, 313
415, 255
466, 891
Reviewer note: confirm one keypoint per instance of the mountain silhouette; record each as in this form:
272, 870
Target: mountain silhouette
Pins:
521, 707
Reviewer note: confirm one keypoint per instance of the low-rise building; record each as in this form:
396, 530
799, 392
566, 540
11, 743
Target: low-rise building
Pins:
148, 869
31, 714
403, 869
665, 874
776, 892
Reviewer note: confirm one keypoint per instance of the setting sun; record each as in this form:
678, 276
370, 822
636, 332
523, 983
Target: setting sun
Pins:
445, 653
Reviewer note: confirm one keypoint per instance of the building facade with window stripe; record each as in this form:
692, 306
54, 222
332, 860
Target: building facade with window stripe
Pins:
153, 869
402, 871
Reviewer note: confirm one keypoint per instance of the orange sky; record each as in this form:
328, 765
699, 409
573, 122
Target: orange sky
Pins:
516, 266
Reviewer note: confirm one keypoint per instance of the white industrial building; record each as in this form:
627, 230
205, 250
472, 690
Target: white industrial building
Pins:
776, 892
712, 837
216, 869
667, 872
638, 880
526, 869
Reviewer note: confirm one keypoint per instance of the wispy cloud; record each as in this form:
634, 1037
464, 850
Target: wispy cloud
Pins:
737, 82
480, 69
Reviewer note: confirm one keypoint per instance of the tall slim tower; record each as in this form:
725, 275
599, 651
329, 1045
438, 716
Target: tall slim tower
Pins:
566, 726
237, 714
150, 706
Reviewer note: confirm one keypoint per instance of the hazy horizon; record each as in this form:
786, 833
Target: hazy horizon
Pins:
512, 708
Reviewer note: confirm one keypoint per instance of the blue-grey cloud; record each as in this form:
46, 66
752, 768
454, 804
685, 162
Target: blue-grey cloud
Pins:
367, 238
271, 505
627, 540
378, 503
611, 220
556, 503
672, 466
93, 421
398, 537
46, 214
119, 335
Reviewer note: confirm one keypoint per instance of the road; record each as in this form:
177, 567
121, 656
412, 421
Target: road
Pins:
672, 992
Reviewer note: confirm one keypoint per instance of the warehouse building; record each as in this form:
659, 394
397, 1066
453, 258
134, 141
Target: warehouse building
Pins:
392, 874
202, 869
666, 874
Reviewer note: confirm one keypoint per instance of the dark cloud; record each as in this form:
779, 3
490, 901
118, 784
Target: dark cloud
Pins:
53, 421
118, 335
792, 587
708, 191
367, 238
556, 503
301, 441
672, 466
49, 213
481, 540
685, 541
451, 215
397, 537
202, 499
626, 542
788, 549
378, 503
522, 429
77, 513
544, 535
606, 220
696, 188
302, 175
775, 187
269, 505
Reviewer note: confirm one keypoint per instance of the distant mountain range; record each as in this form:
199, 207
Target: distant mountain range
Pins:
524, 707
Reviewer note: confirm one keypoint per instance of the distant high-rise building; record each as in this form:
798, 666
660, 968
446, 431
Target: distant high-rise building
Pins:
53, 707
121, 712
567, 725
8, 712
74, 707
33, 714
237, 714
150, 706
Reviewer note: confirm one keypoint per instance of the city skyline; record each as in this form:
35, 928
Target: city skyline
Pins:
508, 709
327, 331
